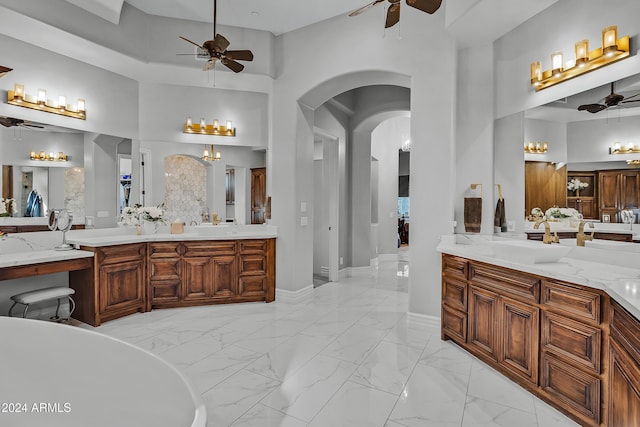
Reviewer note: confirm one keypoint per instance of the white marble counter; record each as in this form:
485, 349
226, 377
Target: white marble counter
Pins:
41, 220
39, 257
617, 272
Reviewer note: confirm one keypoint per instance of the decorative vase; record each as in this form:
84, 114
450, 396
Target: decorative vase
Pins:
577, 192
150, 227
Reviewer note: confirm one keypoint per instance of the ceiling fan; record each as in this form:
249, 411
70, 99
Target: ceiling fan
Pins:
11, 122
217, 50
393, 12
611, 100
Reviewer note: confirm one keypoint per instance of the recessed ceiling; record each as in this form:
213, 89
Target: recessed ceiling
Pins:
277, 16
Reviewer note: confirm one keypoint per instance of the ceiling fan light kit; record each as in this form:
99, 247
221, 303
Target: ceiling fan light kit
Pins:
39, 102
214, 128
613, 49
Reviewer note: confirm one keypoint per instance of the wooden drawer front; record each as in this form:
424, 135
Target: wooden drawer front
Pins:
253, 246
520, 286
120, 253
571, 300
164, 268
253, 264
455, 267
165, 291
9, 229
574, 389
574, 341
454, 324
210, 248
483, 321
625, 329
454, 293
618, 237
252, 286
163, 250
520, 339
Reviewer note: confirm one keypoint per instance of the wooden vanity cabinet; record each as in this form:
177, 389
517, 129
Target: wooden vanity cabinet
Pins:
624, 368
618, 190
454, 298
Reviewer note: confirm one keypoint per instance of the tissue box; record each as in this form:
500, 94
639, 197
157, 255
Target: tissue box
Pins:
177, 227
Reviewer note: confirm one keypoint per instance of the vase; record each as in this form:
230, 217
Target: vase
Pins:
577, 192
150, 227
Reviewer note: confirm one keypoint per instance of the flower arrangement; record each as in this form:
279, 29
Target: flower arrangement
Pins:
133, 215
7, 207
576, 185
560, 213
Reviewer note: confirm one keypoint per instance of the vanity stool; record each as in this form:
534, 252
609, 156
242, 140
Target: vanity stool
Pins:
39, 295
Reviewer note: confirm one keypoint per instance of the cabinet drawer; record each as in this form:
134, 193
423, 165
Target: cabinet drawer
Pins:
165, 291
454, 324
455, 267
209, 248
625, 329
253, 246
454, 293
574, 389
577, 342
252, 286
517, 285
571, 300
162, 250
120, 253
253, 264
164, 268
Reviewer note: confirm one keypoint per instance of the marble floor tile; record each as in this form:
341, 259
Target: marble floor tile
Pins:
355, 405
349, 355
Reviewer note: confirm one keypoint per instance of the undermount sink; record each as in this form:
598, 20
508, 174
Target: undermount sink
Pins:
528, 252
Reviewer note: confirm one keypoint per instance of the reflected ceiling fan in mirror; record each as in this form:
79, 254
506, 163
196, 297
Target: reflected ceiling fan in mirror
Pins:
393, 12
216, 49
9, 122
611, 100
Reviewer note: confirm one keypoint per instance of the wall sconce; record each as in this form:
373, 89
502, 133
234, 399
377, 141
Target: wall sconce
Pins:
612, 49
19, 98
214, 128
5, 70
51, 156
209, 155
630, 148
537, 148
635, 162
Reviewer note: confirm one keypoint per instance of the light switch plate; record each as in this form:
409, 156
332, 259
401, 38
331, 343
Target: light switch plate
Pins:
303, 207
304, 221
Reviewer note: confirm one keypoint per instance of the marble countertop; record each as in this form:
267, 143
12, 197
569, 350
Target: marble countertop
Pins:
615, 271
41, 256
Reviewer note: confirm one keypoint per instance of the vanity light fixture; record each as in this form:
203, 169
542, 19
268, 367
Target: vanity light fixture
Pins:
19, 98
537, 148
634, 162
630, 148
612, 49
210, 155
4, 70
51, 156
214, 128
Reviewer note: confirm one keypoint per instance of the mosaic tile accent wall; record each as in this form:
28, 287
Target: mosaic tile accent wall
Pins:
185, 188
74, 191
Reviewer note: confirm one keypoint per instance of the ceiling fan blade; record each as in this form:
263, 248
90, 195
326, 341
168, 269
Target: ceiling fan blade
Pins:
239, 55
234, 66
630, 98
393, 15
592, 108
365, 8
429, 6
192, 42
220, 43
31, 126
210, 64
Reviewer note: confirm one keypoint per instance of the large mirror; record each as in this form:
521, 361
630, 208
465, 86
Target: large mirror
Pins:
580, 168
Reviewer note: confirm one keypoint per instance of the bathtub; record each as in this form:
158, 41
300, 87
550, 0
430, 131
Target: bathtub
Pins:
58, 375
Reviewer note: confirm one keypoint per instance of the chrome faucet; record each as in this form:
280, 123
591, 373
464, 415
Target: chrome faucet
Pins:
581, 237
547, 239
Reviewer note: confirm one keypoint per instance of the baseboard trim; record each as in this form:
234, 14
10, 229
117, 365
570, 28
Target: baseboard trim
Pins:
424, 319
293, 297
360, 271
344, 273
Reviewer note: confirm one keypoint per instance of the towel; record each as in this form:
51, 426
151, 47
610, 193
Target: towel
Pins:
472, 214
500, 219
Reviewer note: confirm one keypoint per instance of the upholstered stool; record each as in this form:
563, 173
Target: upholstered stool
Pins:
39, 295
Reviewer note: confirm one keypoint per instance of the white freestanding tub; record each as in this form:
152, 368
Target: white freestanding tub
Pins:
58, 375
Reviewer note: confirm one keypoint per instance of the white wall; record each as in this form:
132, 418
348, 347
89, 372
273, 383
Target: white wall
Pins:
589, 141
553, 133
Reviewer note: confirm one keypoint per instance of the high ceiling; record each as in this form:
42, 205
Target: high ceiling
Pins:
277, 16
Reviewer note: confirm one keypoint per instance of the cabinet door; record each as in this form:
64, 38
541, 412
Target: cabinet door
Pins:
121, 287
483, 321
196, 278
258, 195
519, 338
629, 190
609, 194
624, 388
225, 277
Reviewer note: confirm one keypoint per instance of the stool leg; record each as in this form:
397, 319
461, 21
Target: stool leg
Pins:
24, 313
72, 307
56, 317
11, 309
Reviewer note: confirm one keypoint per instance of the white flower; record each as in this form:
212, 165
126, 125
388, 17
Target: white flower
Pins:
7, 207
576, 184
556, 212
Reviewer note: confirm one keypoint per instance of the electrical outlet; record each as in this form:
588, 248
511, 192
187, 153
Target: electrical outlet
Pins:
341, 260
511, 225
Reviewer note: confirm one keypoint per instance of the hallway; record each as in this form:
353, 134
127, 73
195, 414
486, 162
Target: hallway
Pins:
346, 357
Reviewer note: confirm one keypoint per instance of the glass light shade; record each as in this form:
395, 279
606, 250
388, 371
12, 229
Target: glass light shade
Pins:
42, 155
203, 125
62, 102
215, 123
205, 154
582, 52
189, 122
536, 72
229, 124
42, 96
556, 62
609, 39
18, 91
62, 156
218, 155
81, 105
32, 155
